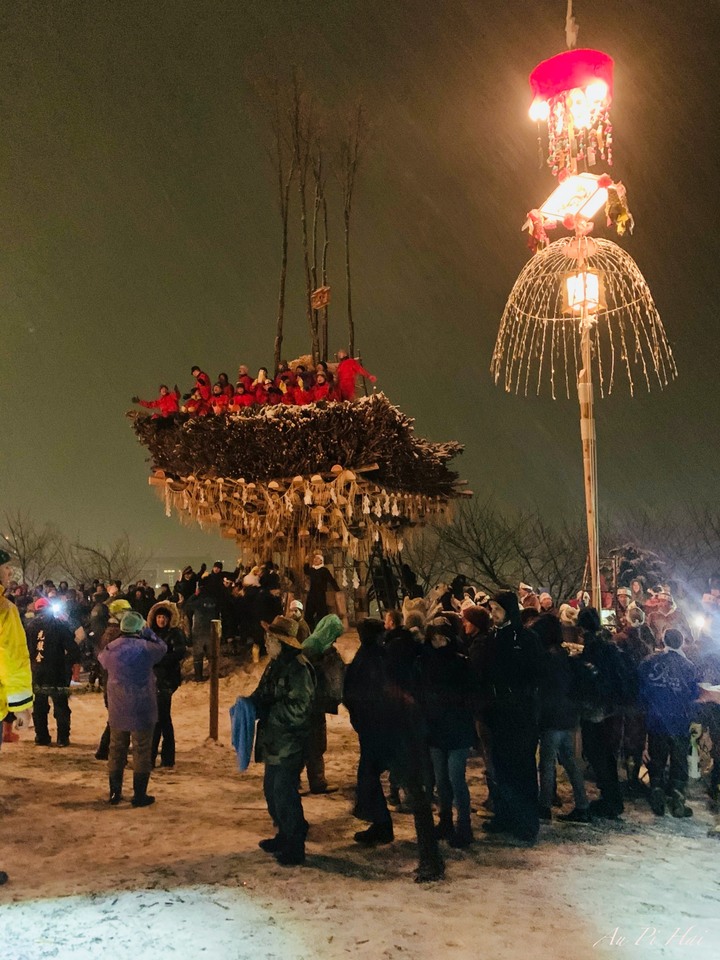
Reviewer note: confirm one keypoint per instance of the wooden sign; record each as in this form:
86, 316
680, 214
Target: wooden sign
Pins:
320, 298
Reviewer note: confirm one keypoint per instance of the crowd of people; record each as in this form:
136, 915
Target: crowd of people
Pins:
512, 678
295, 385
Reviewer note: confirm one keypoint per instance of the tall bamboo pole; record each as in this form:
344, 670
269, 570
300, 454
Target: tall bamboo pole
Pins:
589, 449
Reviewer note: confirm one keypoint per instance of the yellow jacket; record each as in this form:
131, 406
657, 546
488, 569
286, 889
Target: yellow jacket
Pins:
15, 676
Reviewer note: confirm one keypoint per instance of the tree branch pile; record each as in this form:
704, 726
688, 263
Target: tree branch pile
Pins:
284, 441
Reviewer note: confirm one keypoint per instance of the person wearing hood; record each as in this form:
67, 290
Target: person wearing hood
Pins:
319, 648
509, 676
284, 701
445, 693
15, 673
116, 610
321, 581
297, 613
164, 621
53, 653
665, 615
132, 704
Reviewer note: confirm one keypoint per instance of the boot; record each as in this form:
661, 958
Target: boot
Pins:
103, 750
677, 805
430, 870
9, 735
376, 834
291, 856
3, 877
575, 816
444, 830
198, 666
272, 844
116, 782
463, 835
140, 794
657, 801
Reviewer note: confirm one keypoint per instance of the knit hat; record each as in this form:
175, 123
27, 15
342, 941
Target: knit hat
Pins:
324, 635
4, 557
296, 605
545, 595
624, 591
118, 607
132, 622
285, 630
370, 630
41, 603
525, 586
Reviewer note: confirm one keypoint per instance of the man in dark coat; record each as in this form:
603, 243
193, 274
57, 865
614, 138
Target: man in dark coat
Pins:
509, 674
203, 609
380, 694
284, 701
53, 652
599, 726
668, 691
559, 719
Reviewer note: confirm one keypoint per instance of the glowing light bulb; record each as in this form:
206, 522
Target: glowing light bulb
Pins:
596, 92
539, 110
580, 109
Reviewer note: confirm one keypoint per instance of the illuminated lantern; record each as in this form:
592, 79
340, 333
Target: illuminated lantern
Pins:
582, 293
579, 195
573, 93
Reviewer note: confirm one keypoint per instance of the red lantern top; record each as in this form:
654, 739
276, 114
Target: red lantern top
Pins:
571, 69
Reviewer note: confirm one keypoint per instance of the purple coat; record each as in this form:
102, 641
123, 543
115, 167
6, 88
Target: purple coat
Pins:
131, 690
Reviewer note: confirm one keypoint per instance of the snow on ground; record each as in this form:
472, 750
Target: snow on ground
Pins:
185, 878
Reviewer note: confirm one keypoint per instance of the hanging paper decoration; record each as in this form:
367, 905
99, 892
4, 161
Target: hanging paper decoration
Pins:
572, 93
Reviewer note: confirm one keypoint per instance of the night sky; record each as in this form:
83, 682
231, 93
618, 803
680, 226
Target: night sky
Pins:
140, 233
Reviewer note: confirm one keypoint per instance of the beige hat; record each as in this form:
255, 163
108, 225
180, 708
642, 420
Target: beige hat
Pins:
285, 630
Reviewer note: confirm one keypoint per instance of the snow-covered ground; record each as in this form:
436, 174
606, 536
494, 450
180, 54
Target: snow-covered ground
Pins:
185, 878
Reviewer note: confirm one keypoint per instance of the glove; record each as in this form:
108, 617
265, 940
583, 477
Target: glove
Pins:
24, 718
135, 399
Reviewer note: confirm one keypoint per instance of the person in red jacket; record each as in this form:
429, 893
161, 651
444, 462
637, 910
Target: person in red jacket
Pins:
227, 387
202, 382
244, 375
219, 400
322, 389
303, 389
195, 405
242, 399
166, 403
260, 386
346, 374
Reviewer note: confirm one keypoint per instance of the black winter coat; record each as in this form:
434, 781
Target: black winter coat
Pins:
509, 668
53, 651
445, 689
559, 708
167, 671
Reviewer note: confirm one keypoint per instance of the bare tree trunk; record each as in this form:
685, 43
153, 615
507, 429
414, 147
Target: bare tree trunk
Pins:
302, 139
314, 267
326, 309
351, 148
284, 210
348, 283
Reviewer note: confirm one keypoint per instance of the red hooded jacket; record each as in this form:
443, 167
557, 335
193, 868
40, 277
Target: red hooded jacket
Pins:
166, 404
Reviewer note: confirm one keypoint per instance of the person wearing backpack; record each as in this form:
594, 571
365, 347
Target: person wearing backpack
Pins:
613, 687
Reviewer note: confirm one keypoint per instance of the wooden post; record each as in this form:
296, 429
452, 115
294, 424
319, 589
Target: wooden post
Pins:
213, 661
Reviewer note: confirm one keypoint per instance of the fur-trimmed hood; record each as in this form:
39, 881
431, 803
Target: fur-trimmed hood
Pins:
172, 607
